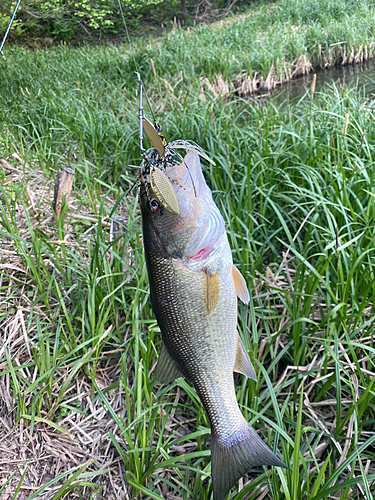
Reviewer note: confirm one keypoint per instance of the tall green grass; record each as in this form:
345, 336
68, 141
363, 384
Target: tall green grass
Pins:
294, 182
295, 187
59, 89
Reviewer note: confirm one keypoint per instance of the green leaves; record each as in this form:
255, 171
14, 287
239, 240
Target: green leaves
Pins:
69, 17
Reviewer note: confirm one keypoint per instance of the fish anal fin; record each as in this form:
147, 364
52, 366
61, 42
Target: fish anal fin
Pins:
242, 363
240, 285
166, 370
234, 455
212, 290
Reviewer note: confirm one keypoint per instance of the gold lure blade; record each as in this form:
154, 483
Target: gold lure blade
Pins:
153, 136
163, 190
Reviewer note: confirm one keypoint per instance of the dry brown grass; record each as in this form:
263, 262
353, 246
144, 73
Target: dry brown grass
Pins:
47, 451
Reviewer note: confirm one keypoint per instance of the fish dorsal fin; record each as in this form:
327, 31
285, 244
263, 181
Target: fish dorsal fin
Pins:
242, 363
212, 290
240, 285
166, 370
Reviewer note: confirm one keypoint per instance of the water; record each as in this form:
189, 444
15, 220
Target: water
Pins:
355, 75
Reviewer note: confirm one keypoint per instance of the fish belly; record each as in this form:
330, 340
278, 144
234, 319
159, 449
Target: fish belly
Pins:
198, 325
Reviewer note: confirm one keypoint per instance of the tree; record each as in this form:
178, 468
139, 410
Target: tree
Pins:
67, 16
78, 19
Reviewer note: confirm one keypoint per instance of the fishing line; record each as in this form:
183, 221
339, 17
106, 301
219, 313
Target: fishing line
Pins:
8, 29
128, 37
134, 59
126, 28
141, 114
147, 99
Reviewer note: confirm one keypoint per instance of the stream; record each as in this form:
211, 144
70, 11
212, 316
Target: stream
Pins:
358, 75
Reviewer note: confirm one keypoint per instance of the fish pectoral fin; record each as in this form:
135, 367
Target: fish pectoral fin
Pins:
242, 363
212, 290
166, 370
240, 285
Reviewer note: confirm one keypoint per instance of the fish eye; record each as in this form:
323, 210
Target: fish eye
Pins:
154, 204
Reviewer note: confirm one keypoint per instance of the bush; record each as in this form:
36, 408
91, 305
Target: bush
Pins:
75, 20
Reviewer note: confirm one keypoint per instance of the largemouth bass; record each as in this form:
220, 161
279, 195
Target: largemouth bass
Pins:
194, 287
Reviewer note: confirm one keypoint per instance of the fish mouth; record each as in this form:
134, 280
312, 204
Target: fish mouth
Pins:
142, 192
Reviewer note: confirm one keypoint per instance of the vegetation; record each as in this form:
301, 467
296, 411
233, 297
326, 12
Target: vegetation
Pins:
294, 182
49, 21
270, 44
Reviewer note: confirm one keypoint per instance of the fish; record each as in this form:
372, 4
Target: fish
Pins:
194, 287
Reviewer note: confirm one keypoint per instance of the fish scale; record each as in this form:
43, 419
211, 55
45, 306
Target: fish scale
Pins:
191, 339
193, 289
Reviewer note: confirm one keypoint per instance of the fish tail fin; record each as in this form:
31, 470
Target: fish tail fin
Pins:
234, 455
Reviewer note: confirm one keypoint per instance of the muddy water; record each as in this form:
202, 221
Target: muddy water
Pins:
359, 75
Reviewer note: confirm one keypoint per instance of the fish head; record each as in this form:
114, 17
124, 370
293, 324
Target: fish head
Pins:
193, 232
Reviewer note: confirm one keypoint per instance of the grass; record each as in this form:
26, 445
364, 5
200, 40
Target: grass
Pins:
294, 182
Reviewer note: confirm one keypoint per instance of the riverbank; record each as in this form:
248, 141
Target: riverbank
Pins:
271, 44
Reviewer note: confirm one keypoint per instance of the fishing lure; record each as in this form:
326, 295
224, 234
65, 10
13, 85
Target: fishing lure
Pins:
154, 160
164, 192
161, 155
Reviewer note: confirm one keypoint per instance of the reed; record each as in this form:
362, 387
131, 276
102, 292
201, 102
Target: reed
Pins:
294, 182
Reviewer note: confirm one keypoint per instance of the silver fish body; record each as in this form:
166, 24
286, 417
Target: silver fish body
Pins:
194, 288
